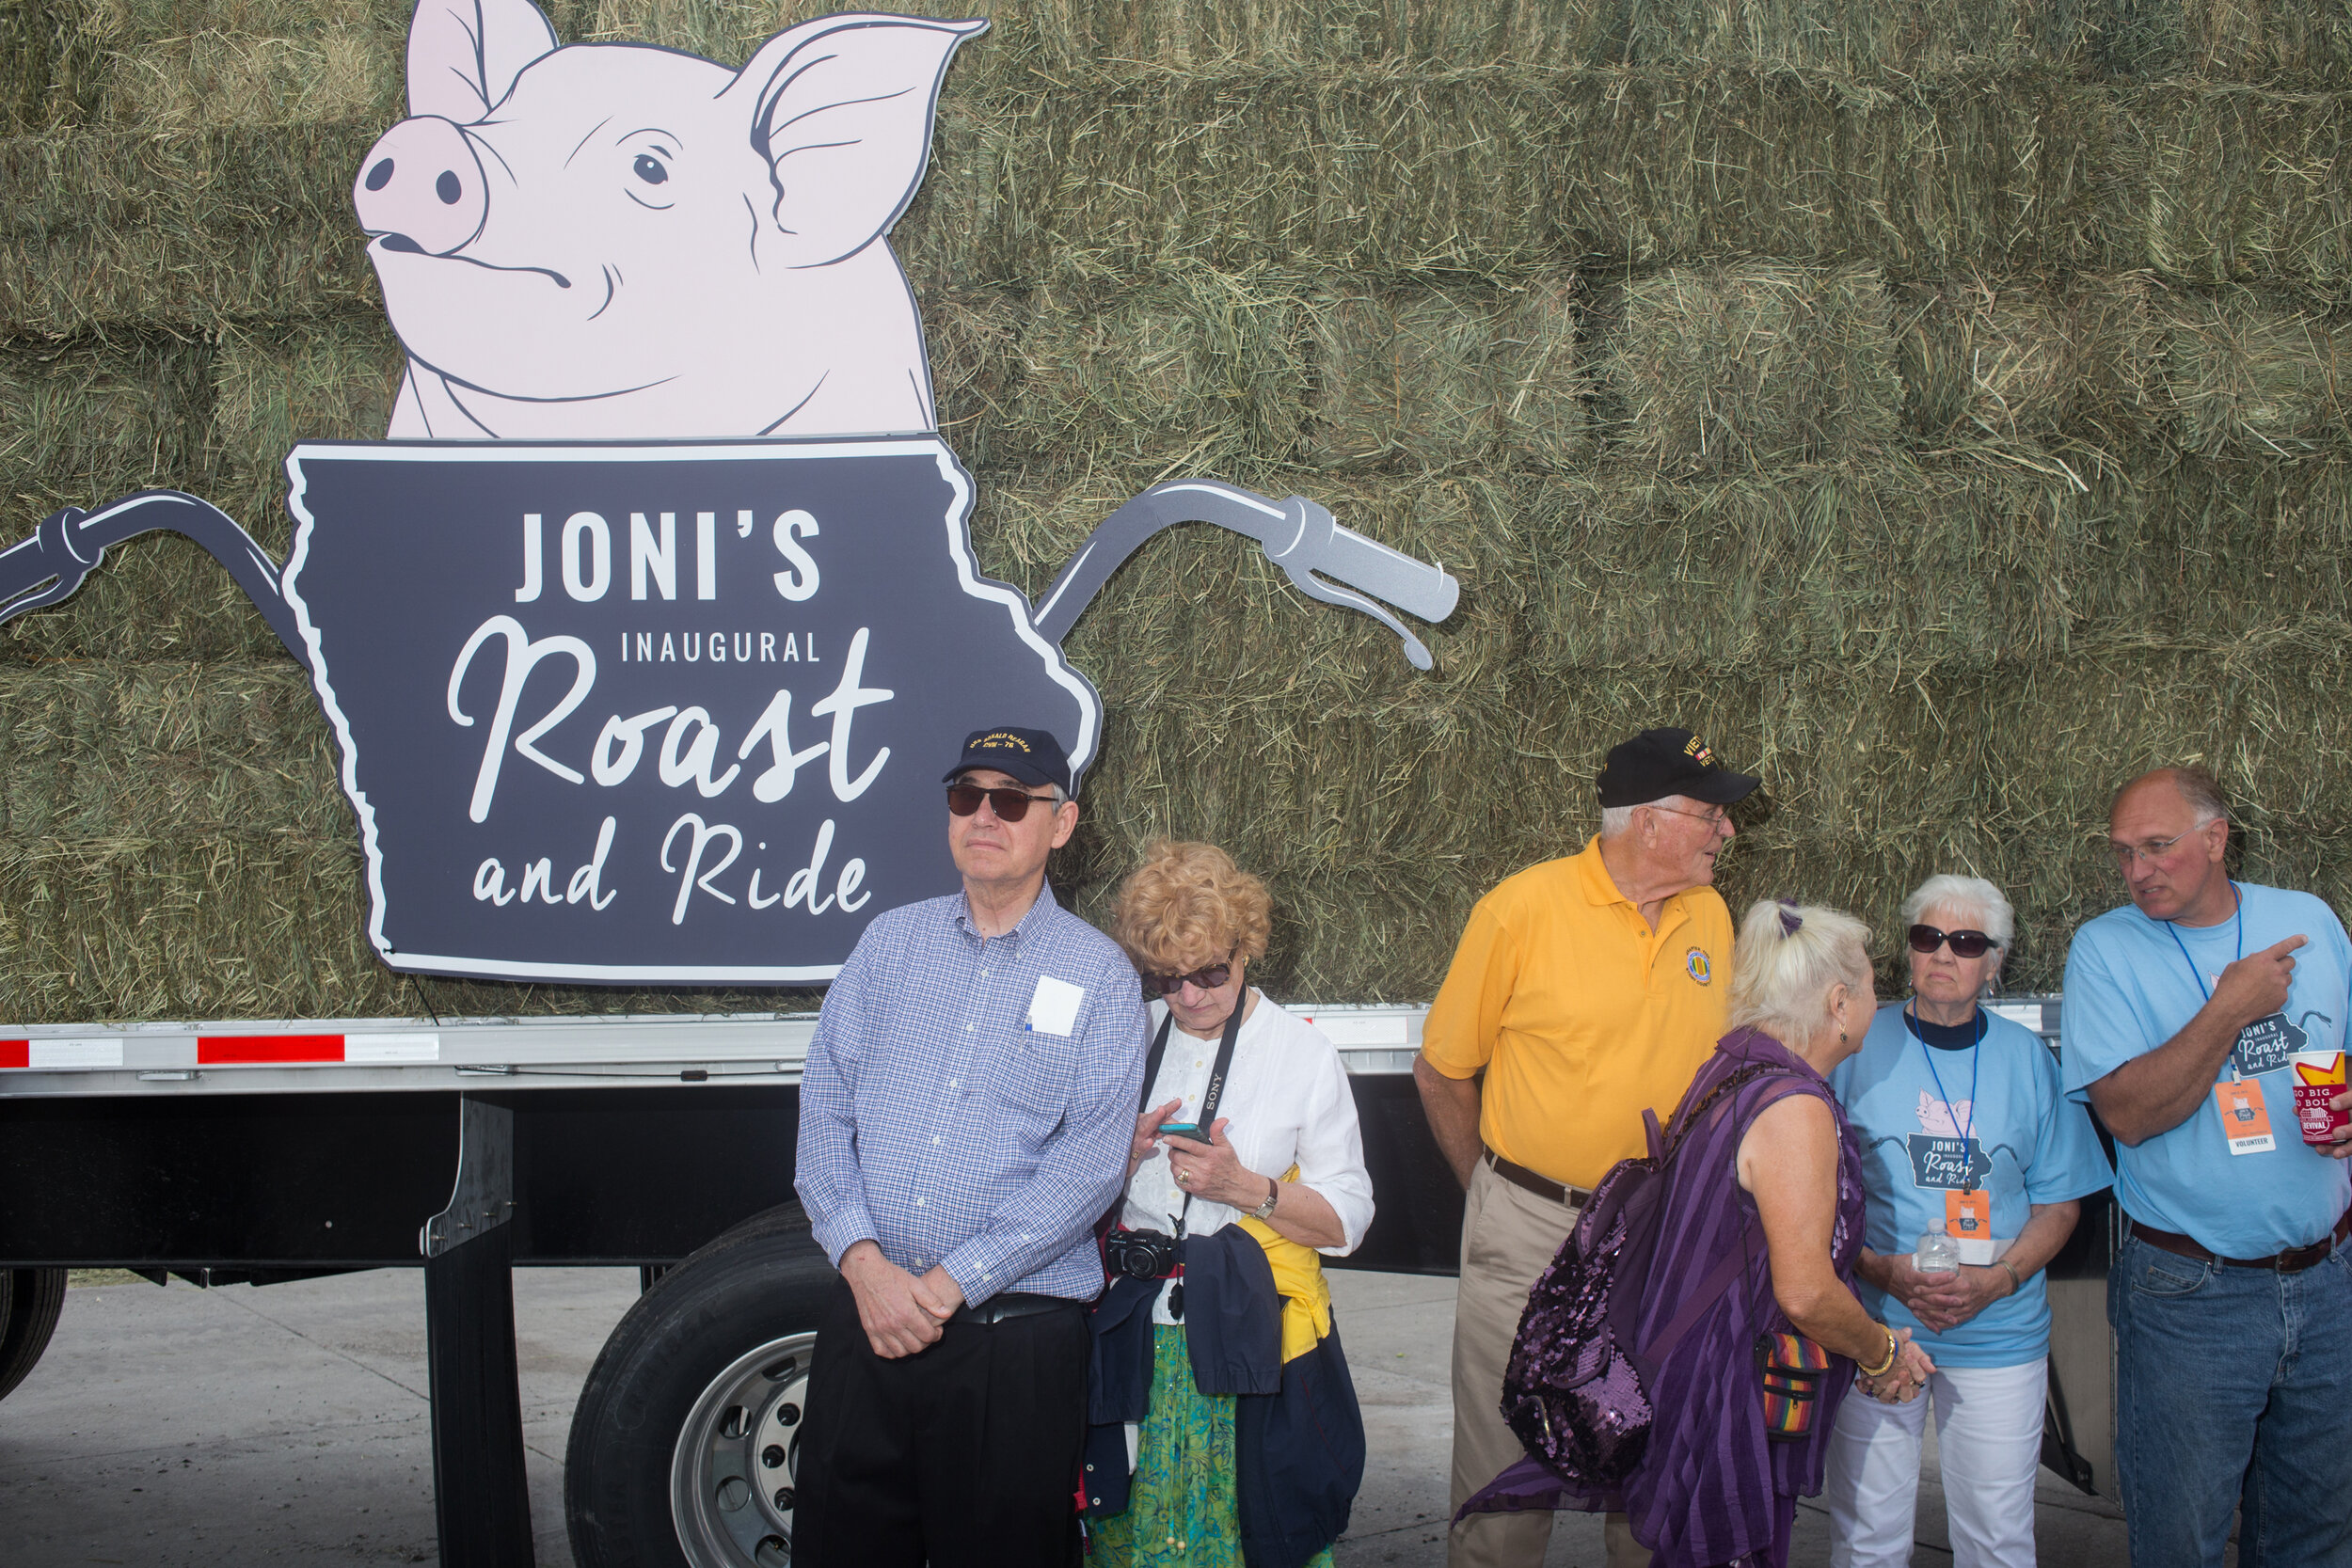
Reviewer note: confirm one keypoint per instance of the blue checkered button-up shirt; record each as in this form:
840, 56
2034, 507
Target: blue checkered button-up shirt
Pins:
937, 1124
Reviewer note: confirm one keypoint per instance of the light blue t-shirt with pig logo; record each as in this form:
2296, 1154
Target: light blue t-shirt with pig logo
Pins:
2133, 983
1946, 1131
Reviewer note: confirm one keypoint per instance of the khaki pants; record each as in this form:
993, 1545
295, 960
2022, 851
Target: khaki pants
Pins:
1509, 1236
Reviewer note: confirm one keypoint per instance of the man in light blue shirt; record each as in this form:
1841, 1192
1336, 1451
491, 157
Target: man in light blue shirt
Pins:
2231, 1292
965, 1118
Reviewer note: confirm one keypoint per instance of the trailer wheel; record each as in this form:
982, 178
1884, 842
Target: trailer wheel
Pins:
683, 1443
30, 1300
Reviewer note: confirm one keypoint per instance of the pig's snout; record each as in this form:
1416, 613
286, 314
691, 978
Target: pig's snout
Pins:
421, 187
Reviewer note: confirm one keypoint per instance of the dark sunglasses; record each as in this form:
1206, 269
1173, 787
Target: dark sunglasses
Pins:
1965, 944
1208, 977
1012, 805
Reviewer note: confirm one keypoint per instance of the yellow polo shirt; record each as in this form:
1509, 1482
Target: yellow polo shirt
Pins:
1581, 1015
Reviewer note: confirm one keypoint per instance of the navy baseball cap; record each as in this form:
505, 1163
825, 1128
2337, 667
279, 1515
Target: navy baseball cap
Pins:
1033, 757
1658, 763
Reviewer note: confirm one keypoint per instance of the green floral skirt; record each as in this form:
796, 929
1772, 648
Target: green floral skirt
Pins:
1181, 1512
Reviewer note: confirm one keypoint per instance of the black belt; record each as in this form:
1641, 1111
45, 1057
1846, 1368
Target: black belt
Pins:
2293, 1260
1008, 1304
1542, 1186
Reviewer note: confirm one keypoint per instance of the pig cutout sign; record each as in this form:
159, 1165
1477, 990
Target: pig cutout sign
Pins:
646, 638
614, 240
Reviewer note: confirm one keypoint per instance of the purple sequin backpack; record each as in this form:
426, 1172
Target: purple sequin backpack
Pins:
1575, 1391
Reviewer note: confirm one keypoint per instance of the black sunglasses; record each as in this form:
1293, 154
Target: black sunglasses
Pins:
1208, 977
1965, 944
1012, 805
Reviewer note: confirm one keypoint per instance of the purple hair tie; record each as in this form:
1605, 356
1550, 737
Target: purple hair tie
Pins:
1789, 918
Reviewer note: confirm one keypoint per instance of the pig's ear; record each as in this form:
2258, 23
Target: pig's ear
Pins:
464, 55
841, 109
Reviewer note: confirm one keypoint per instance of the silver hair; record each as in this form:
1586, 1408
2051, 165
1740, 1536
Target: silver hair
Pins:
2196, 786
2203, 791
1979, 898
1617, 820
1786, 962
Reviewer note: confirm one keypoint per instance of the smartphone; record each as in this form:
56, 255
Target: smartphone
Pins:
1184, 1130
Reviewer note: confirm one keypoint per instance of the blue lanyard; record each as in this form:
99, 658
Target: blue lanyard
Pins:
2240, 899
1976, 1067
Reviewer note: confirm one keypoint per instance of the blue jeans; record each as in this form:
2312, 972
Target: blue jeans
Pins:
2232, 1387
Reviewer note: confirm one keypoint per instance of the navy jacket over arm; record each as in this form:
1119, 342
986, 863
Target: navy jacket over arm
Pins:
1298, 1436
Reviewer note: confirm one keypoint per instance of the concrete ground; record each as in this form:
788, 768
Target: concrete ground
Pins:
184, 1427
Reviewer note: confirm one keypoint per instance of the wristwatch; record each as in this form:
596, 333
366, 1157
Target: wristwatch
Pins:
1273, 1196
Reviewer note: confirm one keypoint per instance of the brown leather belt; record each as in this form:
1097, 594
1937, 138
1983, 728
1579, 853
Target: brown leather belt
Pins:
1542, 1186
2293, 1260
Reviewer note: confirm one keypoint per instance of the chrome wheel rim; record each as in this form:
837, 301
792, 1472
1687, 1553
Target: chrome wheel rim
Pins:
731, 1472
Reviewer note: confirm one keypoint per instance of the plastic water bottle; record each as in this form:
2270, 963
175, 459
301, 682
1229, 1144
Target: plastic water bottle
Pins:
1938, 1254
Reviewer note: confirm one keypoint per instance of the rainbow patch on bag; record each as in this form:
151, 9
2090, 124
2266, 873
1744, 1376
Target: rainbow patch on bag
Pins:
1792, 1368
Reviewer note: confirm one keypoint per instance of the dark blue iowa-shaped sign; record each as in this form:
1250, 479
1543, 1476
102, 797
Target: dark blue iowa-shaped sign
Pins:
654, 713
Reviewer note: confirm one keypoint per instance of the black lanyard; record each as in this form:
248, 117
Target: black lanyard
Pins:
1217, 1074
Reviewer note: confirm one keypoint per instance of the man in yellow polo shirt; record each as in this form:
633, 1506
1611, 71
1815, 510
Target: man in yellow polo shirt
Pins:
1585, 990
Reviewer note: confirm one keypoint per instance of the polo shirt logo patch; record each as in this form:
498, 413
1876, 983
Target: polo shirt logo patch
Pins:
1696, 961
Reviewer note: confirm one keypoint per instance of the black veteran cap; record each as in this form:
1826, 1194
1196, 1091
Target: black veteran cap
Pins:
1658, 763
1033, 757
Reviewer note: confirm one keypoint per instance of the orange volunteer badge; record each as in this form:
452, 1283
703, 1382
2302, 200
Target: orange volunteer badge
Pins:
2245, 1120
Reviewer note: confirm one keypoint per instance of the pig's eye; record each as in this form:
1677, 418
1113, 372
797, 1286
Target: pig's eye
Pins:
650, 168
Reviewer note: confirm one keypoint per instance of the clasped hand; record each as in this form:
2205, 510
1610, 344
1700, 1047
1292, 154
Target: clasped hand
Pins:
1899, 1383
1943, 1301
900, 1313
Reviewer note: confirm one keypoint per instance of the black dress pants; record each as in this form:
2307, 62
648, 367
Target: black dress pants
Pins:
964, 1456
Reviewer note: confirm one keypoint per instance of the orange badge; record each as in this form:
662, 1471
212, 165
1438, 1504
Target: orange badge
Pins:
2245, 1120
1969, 1215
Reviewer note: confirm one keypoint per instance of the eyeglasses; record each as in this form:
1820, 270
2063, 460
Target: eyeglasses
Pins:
2129, 855
1208, 977
1965, 944
1012, 805
1712, 818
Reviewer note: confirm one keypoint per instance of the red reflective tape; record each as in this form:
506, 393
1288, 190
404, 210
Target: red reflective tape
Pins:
227, 1050
16, 1052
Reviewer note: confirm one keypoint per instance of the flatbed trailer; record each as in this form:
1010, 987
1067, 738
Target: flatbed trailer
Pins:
257, 1152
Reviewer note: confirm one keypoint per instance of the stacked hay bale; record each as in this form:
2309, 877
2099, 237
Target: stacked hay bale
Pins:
1937, 406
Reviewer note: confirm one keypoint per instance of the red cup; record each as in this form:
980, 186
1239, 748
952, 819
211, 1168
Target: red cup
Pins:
2319, 1077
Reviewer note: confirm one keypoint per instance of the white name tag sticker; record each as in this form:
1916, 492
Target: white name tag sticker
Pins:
1053, 1007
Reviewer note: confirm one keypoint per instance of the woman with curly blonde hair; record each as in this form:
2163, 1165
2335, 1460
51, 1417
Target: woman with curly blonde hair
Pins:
1182, 1473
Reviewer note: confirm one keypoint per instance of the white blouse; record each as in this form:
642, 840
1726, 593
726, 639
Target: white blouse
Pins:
1286, 1103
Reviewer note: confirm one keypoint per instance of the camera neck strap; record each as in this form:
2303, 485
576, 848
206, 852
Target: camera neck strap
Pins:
1219, 1071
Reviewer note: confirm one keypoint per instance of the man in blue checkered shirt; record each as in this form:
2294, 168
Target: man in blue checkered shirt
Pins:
965, 1118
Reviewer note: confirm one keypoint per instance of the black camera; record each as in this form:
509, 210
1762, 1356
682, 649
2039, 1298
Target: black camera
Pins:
1141, 1254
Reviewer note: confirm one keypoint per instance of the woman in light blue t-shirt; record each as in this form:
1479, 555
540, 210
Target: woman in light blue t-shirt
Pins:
1966, 1128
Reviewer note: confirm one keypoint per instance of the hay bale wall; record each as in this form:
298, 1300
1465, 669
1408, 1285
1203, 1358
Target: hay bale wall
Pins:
1936, 402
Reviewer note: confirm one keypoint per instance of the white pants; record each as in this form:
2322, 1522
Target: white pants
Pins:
1987, 1428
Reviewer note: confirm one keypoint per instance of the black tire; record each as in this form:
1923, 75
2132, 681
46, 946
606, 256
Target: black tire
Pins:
720, 1344
30, 1300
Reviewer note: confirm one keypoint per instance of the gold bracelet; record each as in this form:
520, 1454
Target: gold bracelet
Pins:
2015, 1284
1893, 1350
